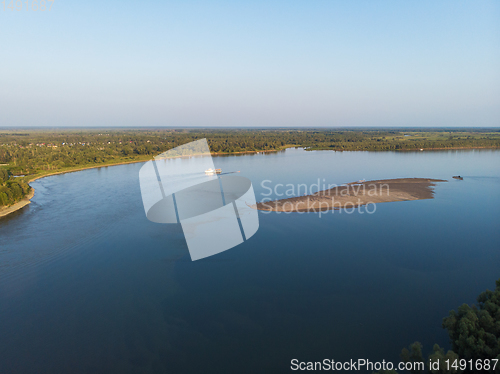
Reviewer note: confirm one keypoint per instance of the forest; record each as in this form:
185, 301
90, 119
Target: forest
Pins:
25, 154
474, 333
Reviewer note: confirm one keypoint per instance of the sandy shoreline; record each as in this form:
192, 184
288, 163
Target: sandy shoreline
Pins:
27, 199
356, 194
20, 204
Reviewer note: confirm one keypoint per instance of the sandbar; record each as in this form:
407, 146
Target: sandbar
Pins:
356, 194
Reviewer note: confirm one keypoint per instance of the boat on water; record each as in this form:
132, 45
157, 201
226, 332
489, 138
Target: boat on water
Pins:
213, 171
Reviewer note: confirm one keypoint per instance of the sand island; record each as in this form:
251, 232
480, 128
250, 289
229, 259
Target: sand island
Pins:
356, 194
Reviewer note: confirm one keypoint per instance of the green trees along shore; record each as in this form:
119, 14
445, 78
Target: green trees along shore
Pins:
31, 153
11, 191
474, 336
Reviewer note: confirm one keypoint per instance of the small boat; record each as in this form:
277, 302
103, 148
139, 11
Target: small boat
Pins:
213, 171
458, 177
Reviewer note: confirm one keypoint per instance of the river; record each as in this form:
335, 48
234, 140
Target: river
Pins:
89, 285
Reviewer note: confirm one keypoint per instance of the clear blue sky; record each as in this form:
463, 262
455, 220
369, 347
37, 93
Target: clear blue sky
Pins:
251, 63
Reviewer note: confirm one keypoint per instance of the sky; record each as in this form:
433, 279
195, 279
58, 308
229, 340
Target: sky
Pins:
251, 64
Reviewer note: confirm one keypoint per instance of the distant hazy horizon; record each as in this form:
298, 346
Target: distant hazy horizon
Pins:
253, 128
278, 64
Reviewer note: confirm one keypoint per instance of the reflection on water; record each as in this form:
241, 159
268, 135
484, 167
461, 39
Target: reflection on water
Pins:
88, 284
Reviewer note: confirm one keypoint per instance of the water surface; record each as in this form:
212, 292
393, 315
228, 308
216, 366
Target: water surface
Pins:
89, 285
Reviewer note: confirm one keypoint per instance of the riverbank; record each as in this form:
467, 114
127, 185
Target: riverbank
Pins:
399, 150
19, 205
49, 174
27, 199
356, 194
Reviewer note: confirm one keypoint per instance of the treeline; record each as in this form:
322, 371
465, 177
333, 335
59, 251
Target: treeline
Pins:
41, 151
44, 151
474, 336
11, 190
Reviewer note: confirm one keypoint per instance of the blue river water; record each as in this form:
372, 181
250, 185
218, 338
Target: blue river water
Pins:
89, 285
